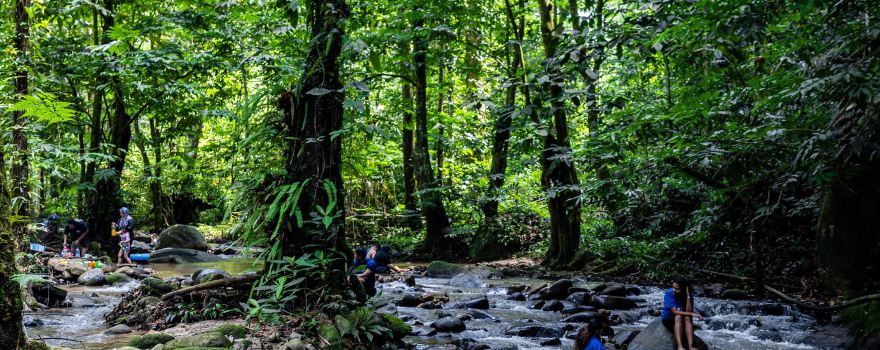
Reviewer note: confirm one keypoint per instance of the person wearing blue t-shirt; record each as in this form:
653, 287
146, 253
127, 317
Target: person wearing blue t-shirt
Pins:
588, 337
678, 313
368, 277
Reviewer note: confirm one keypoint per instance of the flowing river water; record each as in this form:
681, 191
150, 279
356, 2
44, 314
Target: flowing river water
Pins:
729, 325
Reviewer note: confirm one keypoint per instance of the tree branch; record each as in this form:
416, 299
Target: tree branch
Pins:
226, 282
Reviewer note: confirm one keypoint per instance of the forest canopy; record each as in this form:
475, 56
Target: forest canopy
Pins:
620, 137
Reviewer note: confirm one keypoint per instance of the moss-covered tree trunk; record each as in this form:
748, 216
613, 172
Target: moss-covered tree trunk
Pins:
313, 115
438, 241
11, 334
559, 176
20, 170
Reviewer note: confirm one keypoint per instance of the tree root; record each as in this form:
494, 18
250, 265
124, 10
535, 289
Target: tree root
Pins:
847, 304
226, 282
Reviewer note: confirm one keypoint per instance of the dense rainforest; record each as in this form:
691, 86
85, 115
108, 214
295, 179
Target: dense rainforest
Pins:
727, 141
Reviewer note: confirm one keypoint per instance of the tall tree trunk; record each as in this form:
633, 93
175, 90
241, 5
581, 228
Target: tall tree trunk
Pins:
559, 177
438, 241
409, 178
96, 129
20, 170
152, 179
313, 114
439, 143
107, 199
11, 333
161, 209
486, 245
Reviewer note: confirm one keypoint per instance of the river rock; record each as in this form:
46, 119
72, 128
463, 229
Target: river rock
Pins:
612, 302
571, 310
552, 305
579, 298
625, 337
410, 300
138, 247
133, 272
206, 340
655, 336
517, 297
582, 317
614, 289
448, 324
534, 331
480, 303
47, 293
551, 342
557, 290
116, 277
155, 286
92, 277
442, 269
182, 236
773, 309
736, 294
715, 289
466, 280
479, 315
181, 255
118, 329
208, 275
410, 281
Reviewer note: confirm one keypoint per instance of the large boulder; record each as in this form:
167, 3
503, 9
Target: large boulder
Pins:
535, 331
206, 340
116, 277
93, 277
133, 272
655, 337
208, 275
138, 247
149, 340
448, 324
466, 280
557, 290
118, 329
442, 269
156, 287
47, 293
612, 302
182, 236
181, 255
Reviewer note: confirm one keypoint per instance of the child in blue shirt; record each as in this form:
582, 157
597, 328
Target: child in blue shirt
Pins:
588, 337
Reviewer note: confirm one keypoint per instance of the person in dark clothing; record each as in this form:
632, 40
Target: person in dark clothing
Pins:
678, 313
368, 277
78, 232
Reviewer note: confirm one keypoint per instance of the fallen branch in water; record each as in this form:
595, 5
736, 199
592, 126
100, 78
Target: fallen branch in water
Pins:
59, 338
226, 282
847, 304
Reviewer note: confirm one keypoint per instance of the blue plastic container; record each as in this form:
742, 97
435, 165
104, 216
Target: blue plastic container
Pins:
139, 257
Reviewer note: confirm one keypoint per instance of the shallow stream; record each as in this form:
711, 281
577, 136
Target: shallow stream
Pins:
729, 325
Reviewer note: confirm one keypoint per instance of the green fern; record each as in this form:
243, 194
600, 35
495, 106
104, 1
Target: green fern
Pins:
45, 107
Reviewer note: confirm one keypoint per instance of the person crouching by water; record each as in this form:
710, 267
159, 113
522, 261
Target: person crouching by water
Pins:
78, 232
368, 277
678, 313
588, 337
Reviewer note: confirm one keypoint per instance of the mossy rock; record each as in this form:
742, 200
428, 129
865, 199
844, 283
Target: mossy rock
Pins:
115, 277
442, 269
37, 345
201, 348
148, 341
233, 330
399, 329
206, 340
155, 286
148, 301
